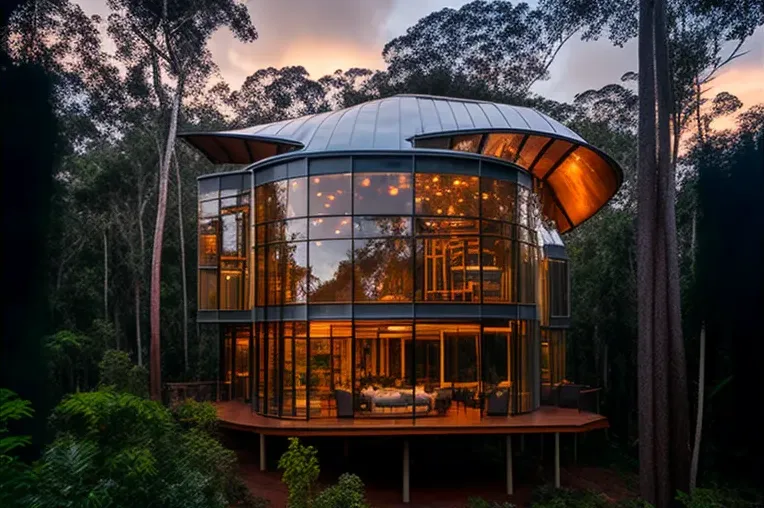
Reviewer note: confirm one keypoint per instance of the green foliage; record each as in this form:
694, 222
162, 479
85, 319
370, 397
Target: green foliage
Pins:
720, 498
478, 502
301, 469
117, 449
550, 497
15, 477
119, 373
199, 415
347, 493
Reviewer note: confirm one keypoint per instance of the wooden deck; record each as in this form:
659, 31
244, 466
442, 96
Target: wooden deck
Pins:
239, 416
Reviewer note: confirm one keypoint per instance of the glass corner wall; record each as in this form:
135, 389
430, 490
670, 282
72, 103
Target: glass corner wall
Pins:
224, 261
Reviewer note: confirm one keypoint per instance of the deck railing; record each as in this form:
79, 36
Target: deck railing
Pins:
201, 391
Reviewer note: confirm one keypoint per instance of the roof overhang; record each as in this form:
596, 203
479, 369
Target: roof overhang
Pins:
573, 178
236, 147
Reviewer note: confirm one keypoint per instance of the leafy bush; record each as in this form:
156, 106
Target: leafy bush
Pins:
477, 502
300, 465
117, 371
348, 493
550, 497
118, 449
15, 477
720, 498
199, 415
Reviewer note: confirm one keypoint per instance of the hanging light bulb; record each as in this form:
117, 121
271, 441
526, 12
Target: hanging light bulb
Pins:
393, 191
365, 182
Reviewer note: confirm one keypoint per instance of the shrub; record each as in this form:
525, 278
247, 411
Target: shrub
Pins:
348, 493
550, 497
199, 415
118, 449
15, 477
300, 465
720, 498
477, 502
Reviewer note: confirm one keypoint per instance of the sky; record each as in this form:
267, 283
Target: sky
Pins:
326, 35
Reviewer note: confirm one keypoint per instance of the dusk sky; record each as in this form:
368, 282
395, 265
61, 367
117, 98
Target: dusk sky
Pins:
327, 35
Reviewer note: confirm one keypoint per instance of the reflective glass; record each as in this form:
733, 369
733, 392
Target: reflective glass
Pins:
295, 257
231, 288
503, 145
331, 272
330, 227
297, 197
498, 199
530, 150
208, 242
208, 188
468, 143
372, 227
382, 193
438, 226
446, 194
330, 369
383, 270
448, 269
330, 195
208, 208
497, 270
289, 231
232, 243
208, 289
271, 200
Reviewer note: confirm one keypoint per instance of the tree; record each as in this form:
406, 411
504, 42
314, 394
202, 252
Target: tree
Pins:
174, 36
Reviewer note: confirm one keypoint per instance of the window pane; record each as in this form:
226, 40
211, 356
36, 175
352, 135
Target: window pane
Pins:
296, 272
451, 195
208, 188
448, 269
558, 289
330, 195
496, 359
497, 272
383, 270
330, 227
208, 289
528, 263
530, 150
289, 231
232, 243
436, 226
496, 228
498, 199
260, 280
208, 208
371, 227
275, 273
331, 272
382, 193
468, 143
208, 242
231, 288
330, 366
503, 146
297, 199
271, 201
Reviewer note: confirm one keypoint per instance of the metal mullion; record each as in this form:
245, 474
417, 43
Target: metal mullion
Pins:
520, 148
539, 155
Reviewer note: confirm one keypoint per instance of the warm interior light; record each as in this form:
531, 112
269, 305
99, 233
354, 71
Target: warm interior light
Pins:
457, 182
461, 200
485, 195
318, 244
319, 194
344, 222
402, 179
339, 192
294, 183
320, 221
418, 200
316, 180
438, 193
398, 328
393, 191
327, 205
439, 211
336, 231
227, 277
330, 197
365, 182
435, 178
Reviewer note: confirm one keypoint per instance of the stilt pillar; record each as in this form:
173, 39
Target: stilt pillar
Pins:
406, 497
522, 443
575, 448
557, 460
262, 452
510, 485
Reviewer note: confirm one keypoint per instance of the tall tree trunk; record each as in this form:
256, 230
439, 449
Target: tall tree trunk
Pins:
678, 410
646, 207
105, 276
699, 417
138, 341
662, 381
182, 261
156, 255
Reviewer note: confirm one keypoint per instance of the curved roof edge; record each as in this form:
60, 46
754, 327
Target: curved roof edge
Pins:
233, 147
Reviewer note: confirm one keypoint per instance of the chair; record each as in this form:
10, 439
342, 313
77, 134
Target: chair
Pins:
344, 403
443, 400
498, 403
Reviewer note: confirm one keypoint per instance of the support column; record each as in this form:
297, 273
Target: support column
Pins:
262, 452
345, 449
575, 448
557, 460
406, 471
522, 443
510, 486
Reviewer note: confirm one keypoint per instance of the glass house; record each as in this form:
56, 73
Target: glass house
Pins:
401, 257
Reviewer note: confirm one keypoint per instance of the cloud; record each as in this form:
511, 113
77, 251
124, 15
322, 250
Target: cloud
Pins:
321, 35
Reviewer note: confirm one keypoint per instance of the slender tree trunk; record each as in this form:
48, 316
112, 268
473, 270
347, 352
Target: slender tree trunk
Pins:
182, 261
138, 344
105, 276
156, 256
646, 205
699, 417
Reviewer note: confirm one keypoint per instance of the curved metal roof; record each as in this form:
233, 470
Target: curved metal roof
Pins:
573, 178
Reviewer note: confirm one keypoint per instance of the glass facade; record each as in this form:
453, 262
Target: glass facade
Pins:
324, 244
224, 242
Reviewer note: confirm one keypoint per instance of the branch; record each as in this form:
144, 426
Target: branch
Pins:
733, 55
150, 43
550, 59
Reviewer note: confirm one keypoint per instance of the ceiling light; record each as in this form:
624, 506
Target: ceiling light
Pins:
365, 182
